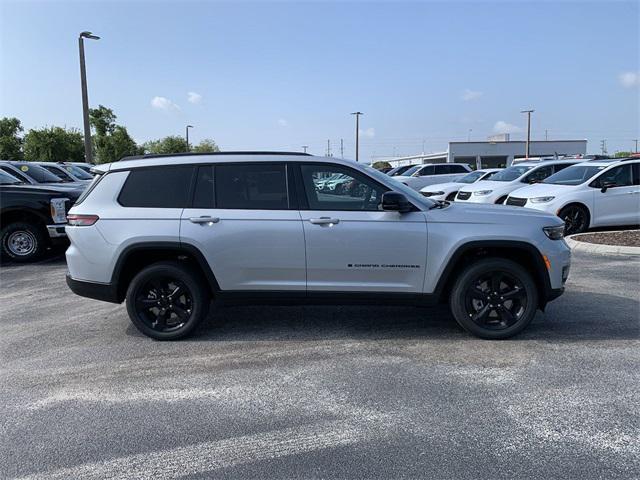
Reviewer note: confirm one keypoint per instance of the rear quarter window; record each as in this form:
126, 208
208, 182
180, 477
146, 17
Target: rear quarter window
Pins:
157, 187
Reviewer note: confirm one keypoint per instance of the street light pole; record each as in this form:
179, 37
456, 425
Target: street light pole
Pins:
304, 147
528, 112
88, 151
187, 135
357, 114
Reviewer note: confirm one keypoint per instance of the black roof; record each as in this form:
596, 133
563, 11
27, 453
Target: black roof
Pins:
188, 154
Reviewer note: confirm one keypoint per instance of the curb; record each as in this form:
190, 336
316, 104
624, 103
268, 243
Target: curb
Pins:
599, 248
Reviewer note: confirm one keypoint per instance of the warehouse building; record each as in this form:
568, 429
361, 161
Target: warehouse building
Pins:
497, 152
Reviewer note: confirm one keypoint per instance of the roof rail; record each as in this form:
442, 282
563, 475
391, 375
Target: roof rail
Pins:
195, 154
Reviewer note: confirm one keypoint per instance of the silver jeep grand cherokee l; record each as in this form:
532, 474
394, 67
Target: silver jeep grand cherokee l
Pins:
168, 233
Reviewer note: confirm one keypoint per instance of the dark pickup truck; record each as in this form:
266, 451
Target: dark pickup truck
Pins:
32, 217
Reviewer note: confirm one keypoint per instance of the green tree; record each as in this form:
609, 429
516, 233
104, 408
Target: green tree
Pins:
379, 165
111, 141
170, 144
10, 140
623, 154
54, 144
205, 146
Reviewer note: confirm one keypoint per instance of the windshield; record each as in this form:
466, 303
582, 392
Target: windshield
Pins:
511, 173
411, 171
6, 179
471, 177
38, 173
78, 172
574, 175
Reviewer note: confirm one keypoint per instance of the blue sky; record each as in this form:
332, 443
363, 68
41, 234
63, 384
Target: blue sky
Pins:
281, 75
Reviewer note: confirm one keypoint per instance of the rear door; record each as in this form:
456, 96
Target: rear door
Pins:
352, 245
244, 221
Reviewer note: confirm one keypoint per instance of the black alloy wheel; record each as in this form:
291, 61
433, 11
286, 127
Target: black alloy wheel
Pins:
164, 304
576, 219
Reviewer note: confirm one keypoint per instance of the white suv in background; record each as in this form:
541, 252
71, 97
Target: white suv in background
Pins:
448, 191
430, 173
168, 233
596, 193
501, 184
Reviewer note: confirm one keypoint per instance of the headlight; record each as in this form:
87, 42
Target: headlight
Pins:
541, 199
554, 233
58, 211
481, 193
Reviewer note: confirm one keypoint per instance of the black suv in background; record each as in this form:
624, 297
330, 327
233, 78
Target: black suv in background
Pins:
32, 217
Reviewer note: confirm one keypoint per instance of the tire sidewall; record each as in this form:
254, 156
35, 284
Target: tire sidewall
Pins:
191, 280
585, 212
457, 298
34, 230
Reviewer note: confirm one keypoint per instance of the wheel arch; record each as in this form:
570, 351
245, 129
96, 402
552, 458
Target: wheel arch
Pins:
139, 255
578, 203
521, 252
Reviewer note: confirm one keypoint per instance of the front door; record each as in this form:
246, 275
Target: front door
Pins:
242, 221
352, 245
620, 203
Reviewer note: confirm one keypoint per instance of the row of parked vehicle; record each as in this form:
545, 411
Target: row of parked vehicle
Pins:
585, 194
34, 200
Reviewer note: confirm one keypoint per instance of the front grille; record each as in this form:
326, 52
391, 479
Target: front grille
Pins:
516, 201
463, 195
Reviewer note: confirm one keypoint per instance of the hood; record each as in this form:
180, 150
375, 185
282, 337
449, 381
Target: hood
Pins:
42, 188
436, 187
542, 190
490, 185
499, 214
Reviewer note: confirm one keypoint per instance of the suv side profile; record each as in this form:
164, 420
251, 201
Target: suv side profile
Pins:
167, 234
422, 175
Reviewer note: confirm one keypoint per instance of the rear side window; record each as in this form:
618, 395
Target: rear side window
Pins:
443, 169
458, 169
251, 186
157, 187
203, 197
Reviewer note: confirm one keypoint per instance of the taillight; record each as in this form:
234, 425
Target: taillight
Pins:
82, 220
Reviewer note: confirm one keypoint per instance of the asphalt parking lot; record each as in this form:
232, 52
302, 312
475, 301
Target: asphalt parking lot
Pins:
321, 392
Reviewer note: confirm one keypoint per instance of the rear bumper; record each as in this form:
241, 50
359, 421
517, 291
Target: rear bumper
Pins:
554, 293
106, 292
57, 231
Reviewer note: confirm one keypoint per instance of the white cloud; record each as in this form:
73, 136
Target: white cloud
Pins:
193, 97
629, 79
162, 103
369, 132
282, 122
468, 95
504, 127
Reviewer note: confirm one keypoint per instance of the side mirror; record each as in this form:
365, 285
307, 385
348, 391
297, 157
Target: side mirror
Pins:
395, 202
607, 185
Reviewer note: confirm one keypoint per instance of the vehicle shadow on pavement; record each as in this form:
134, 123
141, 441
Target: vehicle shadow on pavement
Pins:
575, 317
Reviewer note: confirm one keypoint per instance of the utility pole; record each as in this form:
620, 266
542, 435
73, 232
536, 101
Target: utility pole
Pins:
603, 146
423, 146
88, 151
341, 148
546, 135
328, 148
469, 135
528, 144
636, 149
357, 114
304, 147
187, 135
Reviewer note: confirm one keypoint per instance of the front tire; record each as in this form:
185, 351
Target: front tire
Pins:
494, 298
23, 242
167, 300
576, 219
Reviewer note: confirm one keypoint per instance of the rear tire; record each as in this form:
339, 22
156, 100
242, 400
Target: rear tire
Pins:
167, 300
23, 242
494, 298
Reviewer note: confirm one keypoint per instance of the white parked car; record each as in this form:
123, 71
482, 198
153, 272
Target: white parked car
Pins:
498, 188
448, 191
429, 174
596, 193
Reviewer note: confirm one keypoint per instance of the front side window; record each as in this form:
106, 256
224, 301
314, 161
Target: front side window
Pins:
539, 174
428, 170
351, 192
251, 186
410, 171
621, 176
157, 187
510, 174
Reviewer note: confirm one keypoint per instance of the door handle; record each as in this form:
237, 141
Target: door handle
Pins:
324, 221
204, 220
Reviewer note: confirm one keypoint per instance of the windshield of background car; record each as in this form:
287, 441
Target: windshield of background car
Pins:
6, 179
77, 172
574, 175
39, 174
510, 174
411, 171
471, 177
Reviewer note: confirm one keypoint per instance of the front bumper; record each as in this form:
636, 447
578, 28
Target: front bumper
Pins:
107, 292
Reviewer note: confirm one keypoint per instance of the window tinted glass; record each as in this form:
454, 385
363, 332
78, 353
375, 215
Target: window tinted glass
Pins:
78, 172
332, 187
6, 179
251, 186
38, 173
457, 169
539, 174
574, 175
620, 176
511, 173
59, 172
428, 170
19, 176
158, 187
471, 177
410, 171
443, 169
636, 173
203, 195
560, 166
